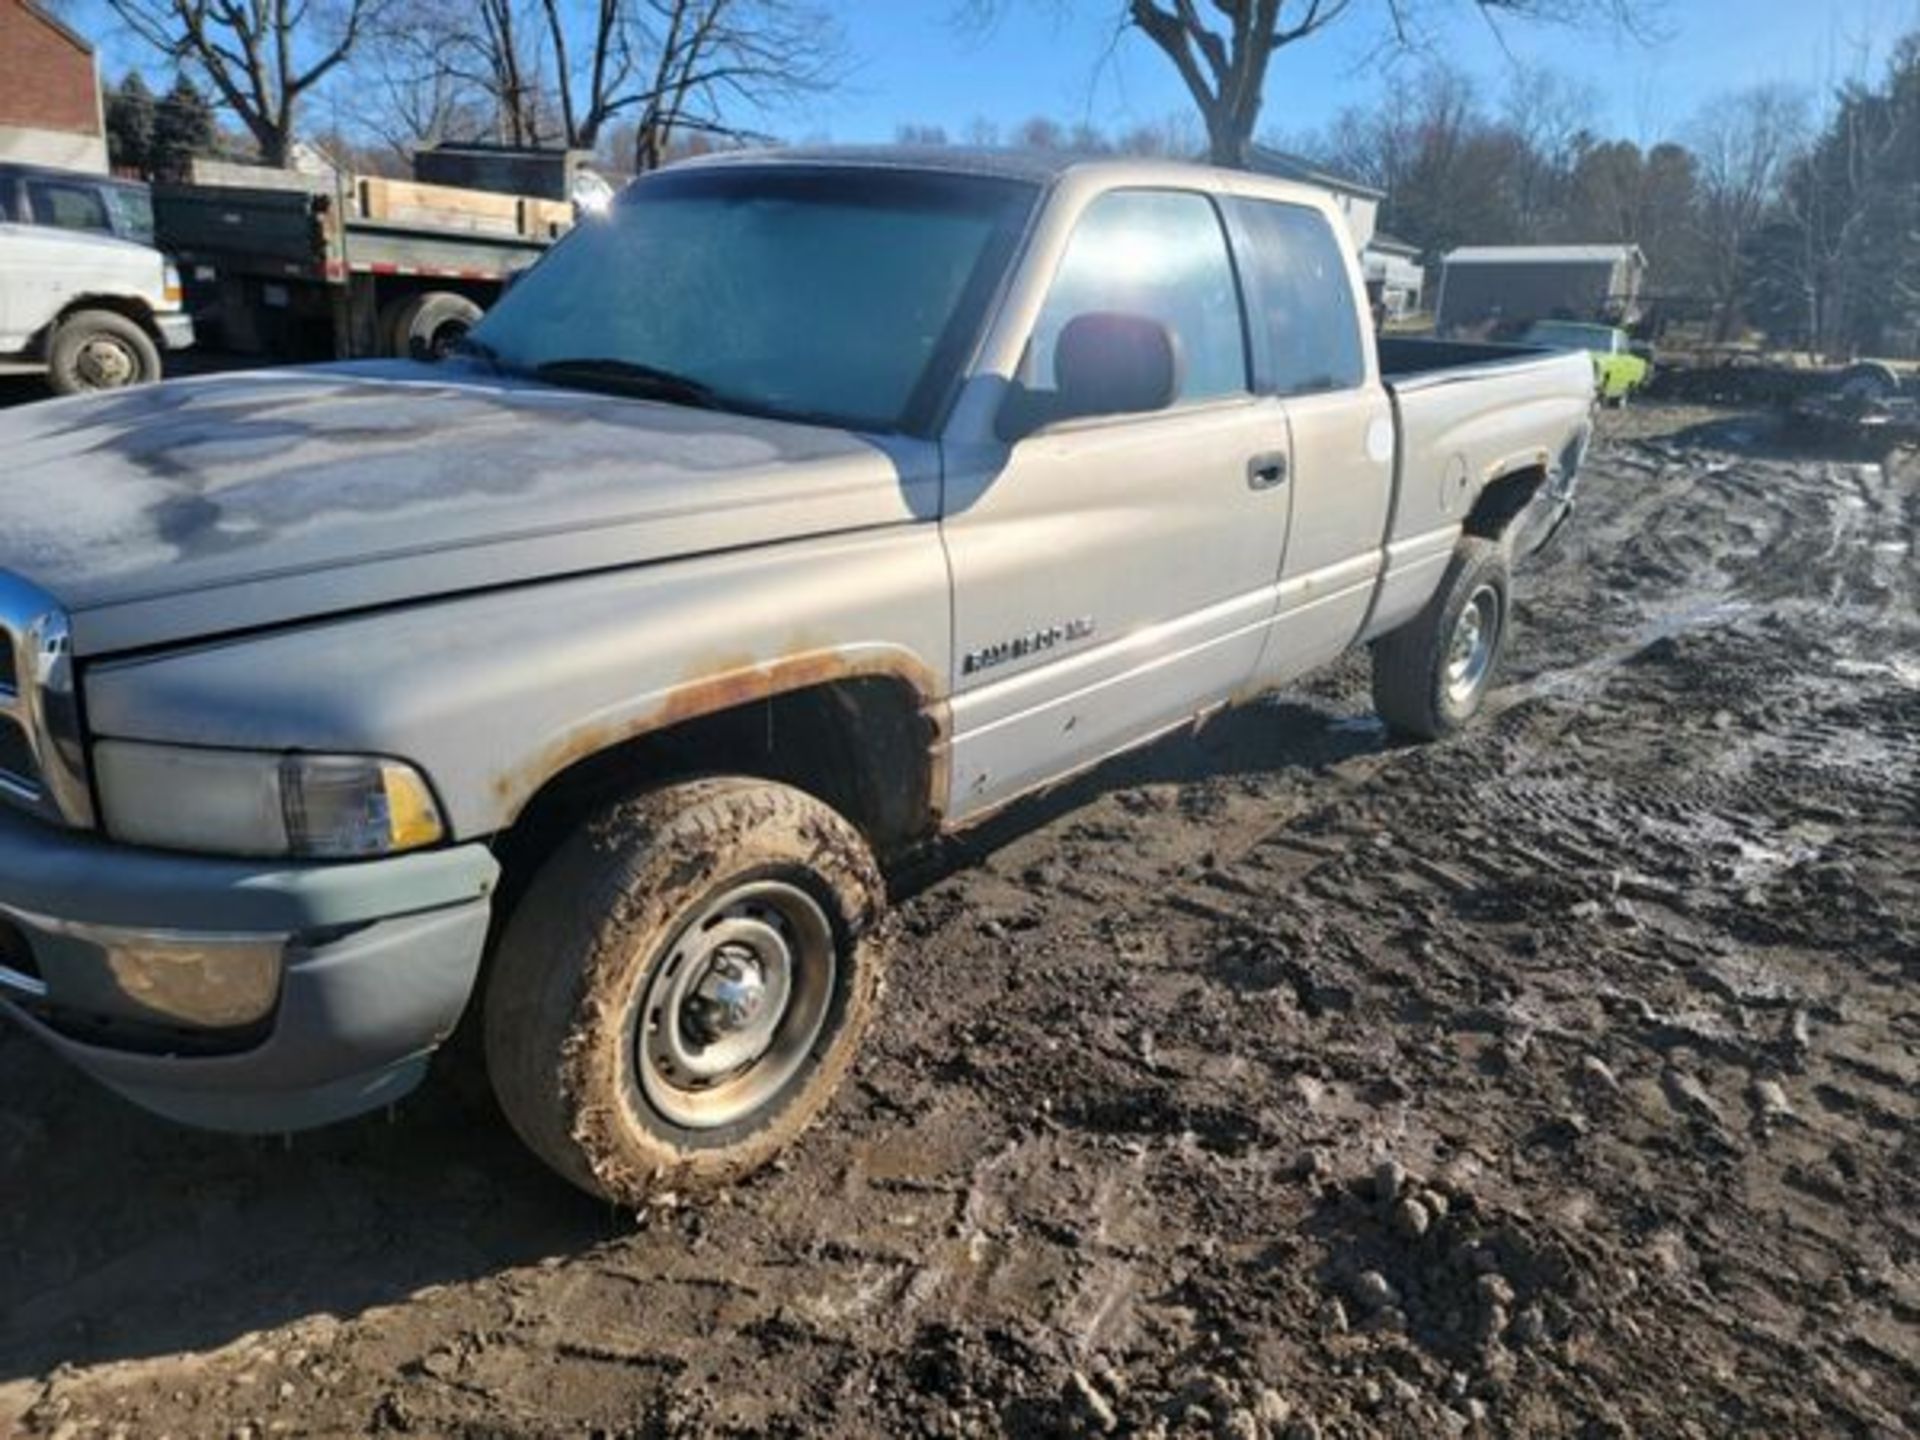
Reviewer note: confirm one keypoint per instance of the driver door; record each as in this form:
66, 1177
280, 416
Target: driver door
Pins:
1116, 575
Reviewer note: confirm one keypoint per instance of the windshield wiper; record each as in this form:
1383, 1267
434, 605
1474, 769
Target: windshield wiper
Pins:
480, 350
628, 377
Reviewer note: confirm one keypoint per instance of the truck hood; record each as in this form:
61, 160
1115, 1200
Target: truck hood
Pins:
199, 507
114, 250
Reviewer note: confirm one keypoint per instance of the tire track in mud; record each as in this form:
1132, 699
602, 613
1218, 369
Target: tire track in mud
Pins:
1562, 1079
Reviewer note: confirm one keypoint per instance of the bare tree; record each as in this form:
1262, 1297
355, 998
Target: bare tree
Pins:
261, 56
1223, 49
596, 81
509, 71
633, 80
435, 73
713, 59
1743, 144
1840, 240
1552, 115
982, 132
1449, 172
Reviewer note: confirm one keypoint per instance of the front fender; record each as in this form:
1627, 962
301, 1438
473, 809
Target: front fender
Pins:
492, 695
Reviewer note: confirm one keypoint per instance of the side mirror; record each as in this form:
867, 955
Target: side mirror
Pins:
1107, 363
1103, 364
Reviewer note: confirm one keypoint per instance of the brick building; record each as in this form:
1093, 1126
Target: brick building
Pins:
50, 108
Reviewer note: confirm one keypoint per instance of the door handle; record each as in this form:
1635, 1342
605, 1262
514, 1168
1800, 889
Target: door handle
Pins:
1264, 472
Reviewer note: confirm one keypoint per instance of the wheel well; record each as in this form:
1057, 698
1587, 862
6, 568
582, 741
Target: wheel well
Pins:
133, 310
1502, 501
863, 745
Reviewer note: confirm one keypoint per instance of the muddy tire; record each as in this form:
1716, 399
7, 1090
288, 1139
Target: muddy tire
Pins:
100, 350
683, 986
1431, 676
428, 326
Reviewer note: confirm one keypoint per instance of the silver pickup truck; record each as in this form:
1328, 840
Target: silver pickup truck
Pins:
800, 510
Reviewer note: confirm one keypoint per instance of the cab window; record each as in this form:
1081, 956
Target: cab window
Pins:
1160, 254
1306, 326
68, 207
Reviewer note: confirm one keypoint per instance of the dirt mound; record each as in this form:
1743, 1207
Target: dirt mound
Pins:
1460, 1281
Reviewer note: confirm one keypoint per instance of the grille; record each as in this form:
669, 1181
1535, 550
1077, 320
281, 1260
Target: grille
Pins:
41, 762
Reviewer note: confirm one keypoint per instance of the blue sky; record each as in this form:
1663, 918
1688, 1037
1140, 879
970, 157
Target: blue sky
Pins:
1061, 59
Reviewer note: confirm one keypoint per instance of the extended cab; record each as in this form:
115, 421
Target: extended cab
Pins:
84, 296
800, 509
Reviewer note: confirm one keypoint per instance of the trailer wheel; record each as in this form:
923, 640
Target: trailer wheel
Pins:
428, 326
1868, 380
100, 350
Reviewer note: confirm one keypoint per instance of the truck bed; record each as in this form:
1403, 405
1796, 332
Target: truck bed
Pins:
1464, 415
1403, 360
281, 233
323, 267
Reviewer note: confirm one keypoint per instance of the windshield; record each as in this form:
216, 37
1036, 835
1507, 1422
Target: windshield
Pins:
1556, 336
844, 296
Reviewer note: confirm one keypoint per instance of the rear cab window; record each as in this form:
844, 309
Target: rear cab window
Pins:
1306, 328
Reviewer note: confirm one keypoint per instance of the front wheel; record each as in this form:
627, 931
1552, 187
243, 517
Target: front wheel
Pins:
100, 350
684, 985
1431, 676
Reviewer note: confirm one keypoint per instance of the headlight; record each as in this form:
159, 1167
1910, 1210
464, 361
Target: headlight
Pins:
237, 802
170, 288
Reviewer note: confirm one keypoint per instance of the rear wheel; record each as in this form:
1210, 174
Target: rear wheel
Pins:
684, 985
428, 326
100, 350
1431, 676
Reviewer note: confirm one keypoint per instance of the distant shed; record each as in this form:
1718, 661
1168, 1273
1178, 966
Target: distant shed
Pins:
1484, 287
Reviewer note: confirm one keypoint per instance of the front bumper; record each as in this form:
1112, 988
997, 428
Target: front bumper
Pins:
176, 331
239, 995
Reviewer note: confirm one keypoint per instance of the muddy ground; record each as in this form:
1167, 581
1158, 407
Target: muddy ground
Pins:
1559, 1080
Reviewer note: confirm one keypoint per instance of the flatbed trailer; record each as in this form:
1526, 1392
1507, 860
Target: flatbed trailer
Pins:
340, 267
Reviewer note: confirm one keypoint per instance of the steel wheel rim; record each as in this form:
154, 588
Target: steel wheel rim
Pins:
1470, 651
731, 1011
445, 339
106, 363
